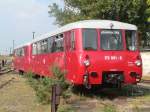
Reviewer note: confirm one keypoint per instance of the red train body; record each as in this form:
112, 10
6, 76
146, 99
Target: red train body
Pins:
92, 52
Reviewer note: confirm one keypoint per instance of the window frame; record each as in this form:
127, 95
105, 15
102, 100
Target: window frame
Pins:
44, 46
57, 40
135, 42
122, 38
97, 38
36, 52
20, 52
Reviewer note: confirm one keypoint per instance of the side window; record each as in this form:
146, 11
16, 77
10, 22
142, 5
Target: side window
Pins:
50, 43
34, 48
72, 40
44, 46
131, 40
60, 45
38, 48
20, 52
57, 43
23, 51
54, 45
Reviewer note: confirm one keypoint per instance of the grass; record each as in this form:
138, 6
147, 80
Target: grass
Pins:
65, 108
109, 108
18, 96
5, 57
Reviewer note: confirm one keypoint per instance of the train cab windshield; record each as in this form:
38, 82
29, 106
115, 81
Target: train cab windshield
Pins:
111, 40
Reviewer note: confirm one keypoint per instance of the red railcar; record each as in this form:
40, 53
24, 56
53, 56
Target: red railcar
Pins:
21, 60
91, 51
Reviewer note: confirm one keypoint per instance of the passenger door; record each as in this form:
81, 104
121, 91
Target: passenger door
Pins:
70, 55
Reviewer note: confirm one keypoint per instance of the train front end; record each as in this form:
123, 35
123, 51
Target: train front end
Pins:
109, 56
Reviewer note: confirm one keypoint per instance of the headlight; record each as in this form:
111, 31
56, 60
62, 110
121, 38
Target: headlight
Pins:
86, 62
138, 63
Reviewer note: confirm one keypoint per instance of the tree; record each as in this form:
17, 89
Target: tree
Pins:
148, 2
130, 11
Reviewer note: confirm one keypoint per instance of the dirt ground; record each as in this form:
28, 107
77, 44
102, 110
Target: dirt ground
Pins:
16, 95
128, 99
113, 103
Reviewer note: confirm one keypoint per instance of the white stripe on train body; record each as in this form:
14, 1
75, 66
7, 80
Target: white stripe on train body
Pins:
102, 24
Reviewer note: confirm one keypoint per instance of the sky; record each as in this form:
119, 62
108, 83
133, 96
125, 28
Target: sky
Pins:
19, 18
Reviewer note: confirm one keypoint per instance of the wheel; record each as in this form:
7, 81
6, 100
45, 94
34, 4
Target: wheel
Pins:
21, 72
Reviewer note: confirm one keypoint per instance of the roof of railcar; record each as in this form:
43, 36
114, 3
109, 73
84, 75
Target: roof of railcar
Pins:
102, 24
23, 45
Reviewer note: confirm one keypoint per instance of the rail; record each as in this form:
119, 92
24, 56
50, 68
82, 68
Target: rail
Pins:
5, 67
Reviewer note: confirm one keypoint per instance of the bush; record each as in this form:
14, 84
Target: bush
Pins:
43, 86
59, 77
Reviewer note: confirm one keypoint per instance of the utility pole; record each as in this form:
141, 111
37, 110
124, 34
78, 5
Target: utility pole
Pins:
13, 45
33, 34
10, 51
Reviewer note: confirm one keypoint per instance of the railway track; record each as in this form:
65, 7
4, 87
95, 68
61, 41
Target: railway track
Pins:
4, 70
145, 81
